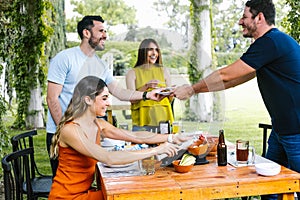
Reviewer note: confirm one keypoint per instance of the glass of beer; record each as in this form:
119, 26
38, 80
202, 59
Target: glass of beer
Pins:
176, 127
242, 152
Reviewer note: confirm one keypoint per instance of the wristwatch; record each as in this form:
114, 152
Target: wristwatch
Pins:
170, 138
145, 96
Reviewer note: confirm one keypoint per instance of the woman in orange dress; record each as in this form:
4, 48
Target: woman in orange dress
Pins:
77, 142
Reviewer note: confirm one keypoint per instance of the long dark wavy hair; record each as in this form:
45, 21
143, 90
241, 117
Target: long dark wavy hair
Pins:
143, 50
90, 86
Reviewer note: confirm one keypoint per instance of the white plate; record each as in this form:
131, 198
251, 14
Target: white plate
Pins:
164, 93
268, 169
170, 88
107, 142
118, 166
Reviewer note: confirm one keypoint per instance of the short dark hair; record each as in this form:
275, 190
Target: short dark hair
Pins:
87, 22
265, 6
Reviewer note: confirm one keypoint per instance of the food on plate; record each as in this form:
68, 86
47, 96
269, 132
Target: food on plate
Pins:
187, 159
198, 150
181, 168
199, 147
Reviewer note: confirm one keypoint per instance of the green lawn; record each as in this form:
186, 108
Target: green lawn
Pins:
244, 110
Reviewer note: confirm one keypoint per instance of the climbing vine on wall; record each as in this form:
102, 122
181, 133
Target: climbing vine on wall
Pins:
25, 27
196, 8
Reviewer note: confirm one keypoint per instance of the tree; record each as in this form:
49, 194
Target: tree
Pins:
201, 65
292, 20
147, 32
200, 49
114, 12
177, 12
225, 36
27, 26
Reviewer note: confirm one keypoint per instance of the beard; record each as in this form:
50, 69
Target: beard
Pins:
250, 30
95, 43
100, 48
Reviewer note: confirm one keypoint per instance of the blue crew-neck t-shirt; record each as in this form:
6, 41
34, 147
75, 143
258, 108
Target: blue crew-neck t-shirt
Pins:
276, 58
67, 68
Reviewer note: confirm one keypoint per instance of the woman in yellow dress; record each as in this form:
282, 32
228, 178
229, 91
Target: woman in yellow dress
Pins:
148, 73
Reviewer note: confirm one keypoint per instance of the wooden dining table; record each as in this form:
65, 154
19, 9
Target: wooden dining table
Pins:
207, 181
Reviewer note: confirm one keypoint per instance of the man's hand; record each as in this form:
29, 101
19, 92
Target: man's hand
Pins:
183, 92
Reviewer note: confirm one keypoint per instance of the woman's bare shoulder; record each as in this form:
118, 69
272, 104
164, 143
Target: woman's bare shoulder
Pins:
69, 131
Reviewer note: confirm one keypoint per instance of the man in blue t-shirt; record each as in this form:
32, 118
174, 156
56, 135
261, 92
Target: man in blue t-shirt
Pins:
274, 58
70, 65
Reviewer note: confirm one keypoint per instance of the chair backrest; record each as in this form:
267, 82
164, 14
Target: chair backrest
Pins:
41, 183
265, 128
16, 171
23, 141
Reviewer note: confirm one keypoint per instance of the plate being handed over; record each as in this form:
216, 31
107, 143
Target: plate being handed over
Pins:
166, 91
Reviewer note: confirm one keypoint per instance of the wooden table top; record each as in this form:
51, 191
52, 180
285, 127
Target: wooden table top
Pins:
204, 182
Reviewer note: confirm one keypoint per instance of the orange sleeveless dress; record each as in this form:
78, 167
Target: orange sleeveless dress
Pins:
74, 176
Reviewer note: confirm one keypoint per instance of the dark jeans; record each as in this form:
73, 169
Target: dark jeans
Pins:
53, 162
285, 150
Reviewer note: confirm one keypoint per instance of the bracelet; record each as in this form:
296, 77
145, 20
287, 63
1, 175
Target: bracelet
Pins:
145, 96
170, 138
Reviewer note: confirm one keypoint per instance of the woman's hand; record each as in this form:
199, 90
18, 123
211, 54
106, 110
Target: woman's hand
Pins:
152, 84
167, 148
179, 138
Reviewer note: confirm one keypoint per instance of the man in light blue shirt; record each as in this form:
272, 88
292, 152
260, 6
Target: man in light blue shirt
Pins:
71, 65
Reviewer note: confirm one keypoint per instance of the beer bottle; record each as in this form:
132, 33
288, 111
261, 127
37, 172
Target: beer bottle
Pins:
222, 150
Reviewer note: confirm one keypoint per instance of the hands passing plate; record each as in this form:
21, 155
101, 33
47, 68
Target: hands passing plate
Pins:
166, 91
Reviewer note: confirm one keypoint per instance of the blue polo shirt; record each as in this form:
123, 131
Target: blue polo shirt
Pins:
276, 58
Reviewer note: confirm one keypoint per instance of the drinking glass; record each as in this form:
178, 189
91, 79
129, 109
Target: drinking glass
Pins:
242, 152
147, 165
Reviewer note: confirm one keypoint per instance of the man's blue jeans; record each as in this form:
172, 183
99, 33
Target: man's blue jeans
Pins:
53, 162
284, 150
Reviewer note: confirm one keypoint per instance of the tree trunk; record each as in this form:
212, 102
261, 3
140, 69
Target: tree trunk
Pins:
36, 112
35, 117
202, 104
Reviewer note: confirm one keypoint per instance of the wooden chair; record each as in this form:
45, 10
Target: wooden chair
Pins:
18, 181
24, 141
265, 128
